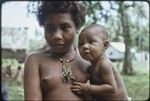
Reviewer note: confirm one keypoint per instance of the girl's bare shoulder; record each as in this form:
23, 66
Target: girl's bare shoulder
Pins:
39, 55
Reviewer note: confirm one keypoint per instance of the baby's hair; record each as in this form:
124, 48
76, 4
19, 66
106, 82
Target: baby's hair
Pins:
76, 11
103, 29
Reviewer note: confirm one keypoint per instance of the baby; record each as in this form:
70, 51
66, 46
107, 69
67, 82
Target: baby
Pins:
106, 82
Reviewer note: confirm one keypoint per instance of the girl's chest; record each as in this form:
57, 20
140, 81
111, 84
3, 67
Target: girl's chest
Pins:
52, 72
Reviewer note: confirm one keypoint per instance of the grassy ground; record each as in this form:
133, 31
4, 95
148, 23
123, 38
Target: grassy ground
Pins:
15, 91
137, 85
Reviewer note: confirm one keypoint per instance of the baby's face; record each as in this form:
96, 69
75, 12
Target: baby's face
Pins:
90, 44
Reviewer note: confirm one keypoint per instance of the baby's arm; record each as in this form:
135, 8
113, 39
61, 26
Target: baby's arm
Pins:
109, 85
80, 88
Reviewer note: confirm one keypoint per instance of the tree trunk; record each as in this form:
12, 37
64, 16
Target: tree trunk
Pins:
127, 66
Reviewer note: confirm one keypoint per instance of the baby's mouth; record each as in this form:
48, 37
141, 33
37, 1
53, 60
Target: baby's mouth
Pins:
86, 52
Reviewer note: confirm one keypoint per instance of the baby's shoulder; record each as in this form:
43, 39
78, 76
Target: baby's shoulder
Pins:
105, 63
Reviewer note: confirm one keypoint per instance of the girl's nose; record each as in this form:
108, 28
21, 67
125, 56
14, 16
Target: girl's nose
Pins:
58, 35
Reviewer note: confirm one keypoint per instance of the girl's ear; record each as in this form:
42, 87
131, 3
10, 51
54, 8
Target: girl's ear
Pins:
106, 44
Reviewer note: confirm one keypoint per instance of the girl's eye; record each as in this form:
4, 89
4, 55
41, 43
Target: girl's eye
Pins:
65, 28
50, 29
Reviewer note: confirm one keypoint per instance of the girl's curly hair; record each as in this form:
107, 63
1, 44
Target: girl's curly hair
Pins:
76, 10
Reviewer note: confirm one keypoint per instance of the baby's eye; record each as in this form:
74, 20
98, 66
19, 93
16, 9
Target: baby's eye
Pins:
92, 42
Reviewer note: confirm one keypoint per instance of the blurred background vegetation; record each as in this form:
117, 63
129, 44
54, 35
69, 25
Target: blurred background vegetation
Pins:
127, 22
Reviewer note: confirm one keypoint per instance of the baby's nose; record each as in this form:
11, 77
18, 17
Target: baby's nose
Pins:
86, 46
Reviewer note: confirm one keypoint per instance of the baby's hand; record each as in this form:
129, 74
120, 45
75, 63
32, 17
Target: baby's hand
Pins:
80, 88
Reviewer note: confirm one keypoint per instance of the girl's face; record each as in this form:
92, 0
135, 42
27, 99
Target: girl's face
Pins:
90, 44
59, 31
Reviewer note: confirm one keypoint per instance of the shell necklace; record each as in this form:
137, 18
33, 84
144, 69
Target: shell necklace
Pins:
66, 73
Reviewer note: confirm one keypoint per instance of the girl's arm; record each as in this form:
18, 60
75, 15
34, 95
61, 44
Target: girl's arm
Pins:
32, 88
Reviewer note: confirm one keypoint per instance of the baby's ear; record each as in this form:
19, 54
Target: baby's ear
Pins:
106, 44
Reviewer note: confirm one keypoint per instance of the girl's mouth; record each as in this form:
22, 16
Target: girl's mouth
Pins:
58, 46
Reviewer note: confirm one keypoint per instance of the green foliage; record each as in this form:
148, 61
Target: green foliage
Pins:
137, 86
13, 62
32, 45
15, 91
